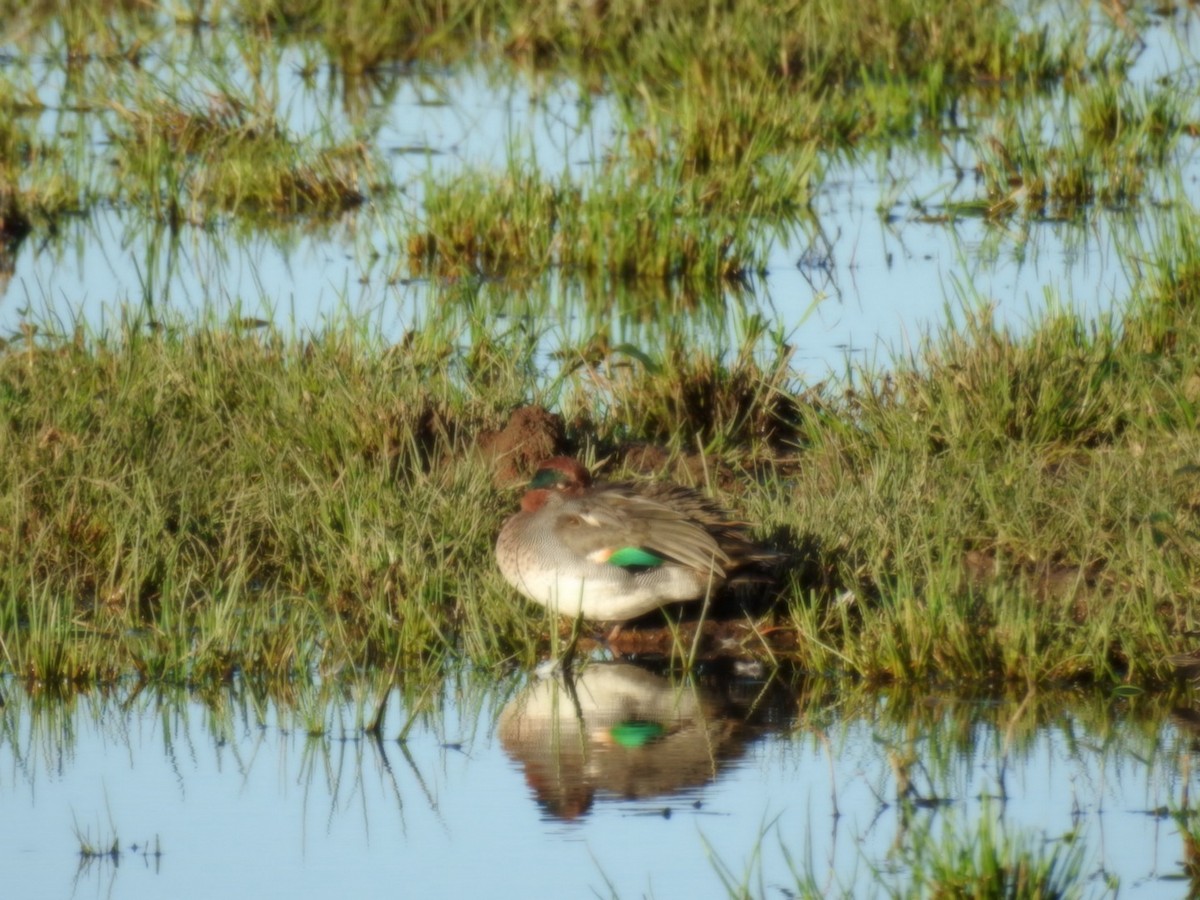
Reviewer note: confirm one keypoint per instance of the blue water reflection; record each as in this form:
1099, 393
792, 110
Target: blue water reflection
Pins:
872, 293
883, 259
522, 785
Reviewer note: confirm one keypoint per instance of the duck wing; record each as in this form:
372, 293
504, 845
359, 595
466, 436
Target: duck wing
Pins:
730, 533
611, 526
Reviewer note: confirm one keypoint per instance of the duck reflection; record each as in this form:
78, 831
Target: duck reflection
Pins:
615, 730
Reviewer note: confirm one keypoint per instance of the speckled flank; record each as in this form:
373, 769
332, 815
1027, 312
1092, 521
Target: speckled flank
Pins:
546, 573
553, 551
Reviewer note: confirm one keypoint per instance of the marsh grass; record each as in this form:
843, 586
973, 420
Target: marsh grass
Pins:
183, 141
800, 44
986, 862
1047, 463
193, 500
993, 506
178, 517
990, 862
191, 162
1123, 137
727, 123
633, 220
723, 117
365, 36
197, 501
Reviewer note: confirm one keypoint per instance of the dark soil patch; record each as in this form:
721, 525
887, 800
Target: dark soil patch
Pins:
736, 639
531, 435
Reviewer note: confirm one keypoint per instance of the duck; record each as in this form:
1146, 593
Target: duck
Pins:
615, 551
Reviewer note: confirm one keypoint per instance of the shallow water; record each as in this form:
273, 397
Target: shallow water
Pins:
625, 783
874, 267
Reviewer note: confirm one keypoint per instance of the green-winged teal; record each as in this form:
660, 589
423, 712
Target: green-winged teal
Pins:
612, 552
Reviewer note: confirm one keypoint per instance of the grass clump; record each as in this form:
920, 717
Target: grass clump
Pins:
192, 505
488, 224
188, 161
637, 220
742, 407
1123, 136
1013, 508
986, 865
1058, 385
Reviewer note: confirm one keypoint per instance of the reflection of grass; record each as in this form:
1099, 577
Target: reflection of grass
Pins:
990, 862
106, 846
960, 743
1121, 138
35, 187
976, 860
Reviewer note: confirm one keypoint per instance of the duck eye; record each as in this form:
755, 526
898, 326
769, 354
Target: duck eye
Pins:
548, 478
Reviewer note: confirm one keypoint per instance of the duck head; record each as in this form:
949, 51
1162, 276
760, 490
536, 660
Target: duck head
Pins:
561, 473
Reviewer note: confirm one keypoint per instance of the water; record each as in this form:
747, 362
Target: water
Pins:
864, 278
624, 782
517, 786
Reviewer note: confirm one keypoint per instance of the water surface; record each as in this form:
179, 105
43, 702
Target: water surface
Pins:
624, 779
880, 258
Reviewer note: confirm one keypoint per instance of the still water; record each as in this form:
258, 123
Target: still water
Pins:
880, 258
620, 780
617, 780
